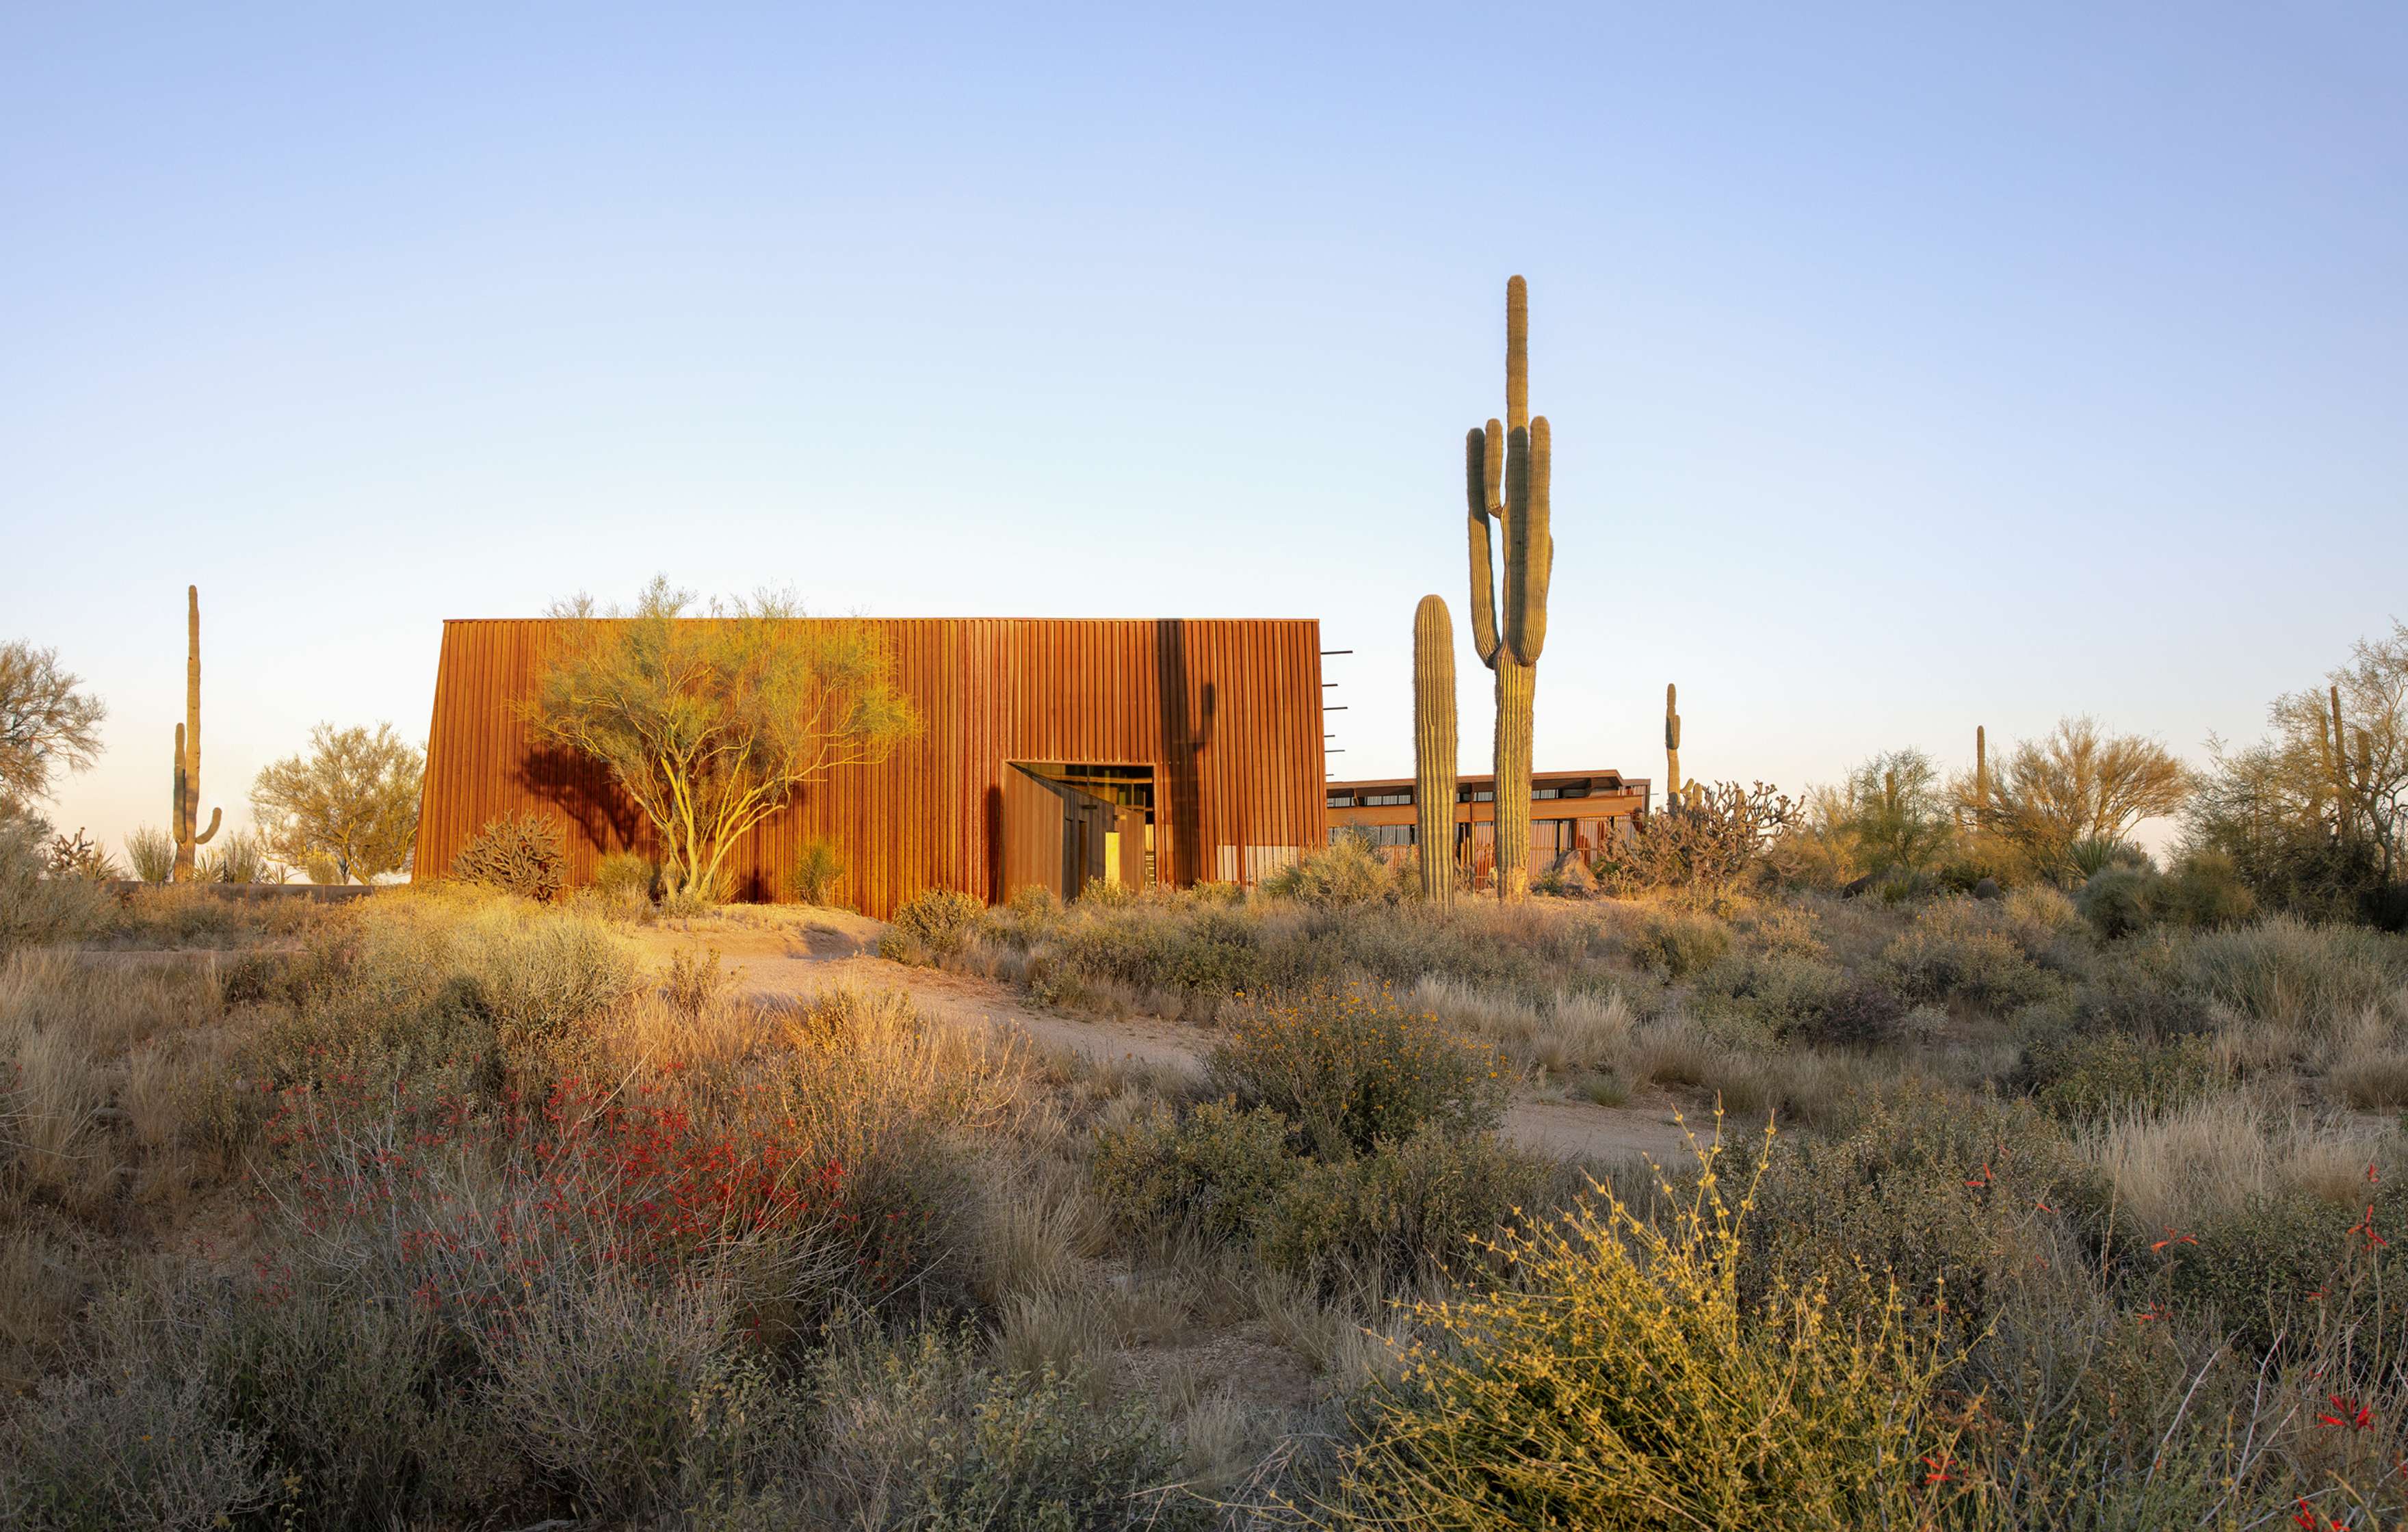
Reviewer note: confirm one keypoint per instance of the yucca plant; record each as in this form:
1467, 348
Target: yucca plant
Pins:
151, 852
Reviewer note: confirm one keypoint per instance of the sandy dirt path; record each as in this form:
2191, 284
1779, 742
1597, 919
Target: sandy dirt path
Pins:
823, 950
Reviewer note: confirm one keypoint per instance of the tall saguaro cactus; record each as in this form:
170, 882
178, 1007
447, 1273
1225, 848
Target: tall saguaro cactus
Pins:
1506, 477
188, 749
1433, 743
1672, 745
1980, 777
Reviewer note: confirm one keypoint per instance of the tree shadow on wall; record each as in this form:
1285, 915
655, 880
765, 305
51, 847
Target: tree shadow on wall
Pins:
580, 788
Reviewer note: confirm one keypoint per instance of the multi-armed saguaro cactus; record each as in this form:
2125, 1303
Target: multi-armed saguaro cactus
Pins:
1506, 477
1434, 748
188, 747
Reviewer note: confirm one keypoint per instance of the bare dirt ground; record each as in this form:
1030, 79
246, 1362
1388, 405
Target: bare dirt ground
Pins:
787, 951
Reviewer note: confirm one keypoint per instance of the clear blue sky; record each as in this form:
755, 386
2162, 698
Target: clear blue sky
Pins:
1908, 370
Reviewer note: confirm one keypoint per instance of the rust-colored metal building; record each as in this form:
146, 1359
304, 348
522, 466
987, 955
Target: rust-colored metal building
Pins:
1571, 812
1051, 751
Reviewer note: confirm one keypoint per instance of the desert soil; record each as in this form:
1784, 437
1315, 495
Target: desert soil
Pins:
787, 952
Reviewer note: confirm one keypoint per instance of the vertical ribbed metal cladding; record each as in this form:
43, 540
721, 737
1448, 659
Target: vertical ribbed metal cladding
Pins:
1228, 711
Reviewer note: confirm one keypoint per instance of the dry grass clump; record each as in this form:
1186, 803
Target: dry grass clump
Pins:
1565, 1034
2213, 1159
2366, 1063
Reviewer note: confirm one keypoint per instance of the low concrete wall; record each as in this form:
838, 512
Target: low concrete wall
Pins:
315, 893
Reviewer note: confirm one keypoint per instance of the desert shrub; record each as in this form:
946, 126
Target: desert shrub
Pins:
1410, 1211
1939, 1194
524, 854
627, 876
2205, 889
136, 1450
917, 1434
1773, 994
2286, 1262
1859, 1013
1344, 873
363, 1399
2142, 987
693, 983
1351, 1065
1953, 955
2120, 898
597, 1385
1680, 944
36, 909
1214, 1170
819, 867
937, 919
2299, 976
2075, 1074
151, 852
1622, 1378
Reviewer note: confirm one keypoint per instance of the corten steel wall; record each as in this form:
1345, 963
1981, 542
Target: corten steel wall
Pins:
1227, 711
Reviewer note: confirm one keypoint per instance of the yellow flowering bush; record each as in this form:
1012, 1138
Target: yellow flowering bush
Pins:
1620, 1381
1351, 1065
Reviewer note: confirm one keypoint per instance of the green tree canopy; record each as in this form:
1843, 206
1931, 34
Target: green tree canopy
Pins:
46, 723
711, 722
350, 801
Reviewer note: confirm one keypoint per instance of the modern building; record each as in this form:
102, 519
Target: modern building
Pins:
1570, 813
1051, 753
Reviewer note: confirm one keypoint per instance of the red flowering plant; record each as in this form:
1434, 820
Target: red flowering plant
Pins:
476, 1211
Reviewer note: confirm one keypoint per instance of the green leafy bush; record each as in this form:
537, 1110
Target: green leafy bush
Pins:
2077, 1074
627, 877
1953, 954
936, 919
819, 868
1351, 1065
919, 1435
1943, 1194
1345, 873
1215, 1170
1423, 1206
1680, 944
2120, 899
524, 854
2205, 889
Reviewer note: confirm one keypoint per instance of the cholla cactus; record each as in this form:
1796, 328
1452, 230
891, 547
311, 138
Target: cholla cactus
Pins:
1434, 748
188, 751
1506, 478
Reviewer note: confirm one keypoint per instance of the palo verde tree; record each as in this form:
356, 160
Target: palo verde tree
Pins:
2080, 786
351, 802
711, 721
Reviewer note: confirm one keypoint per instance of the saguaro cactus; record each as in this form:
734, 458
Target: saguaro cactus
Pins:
1506, 477
187, 808
1434, 744
1980, 777
1672, 745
